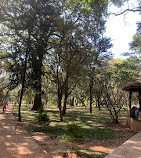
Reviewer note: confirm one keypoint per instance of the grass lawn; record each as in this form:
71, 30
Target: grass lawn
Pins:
94, 126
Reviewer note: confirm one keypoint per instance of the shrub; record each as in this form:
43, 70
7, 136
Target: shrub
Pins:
41, 110
73, 133
43, 117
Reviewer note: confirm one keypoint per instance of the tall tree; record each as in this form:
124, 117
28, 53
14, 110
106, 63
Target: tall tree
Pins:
36, 17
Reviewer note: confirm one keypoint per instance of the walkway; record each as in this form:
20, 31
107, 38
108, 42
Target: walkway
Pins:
130, 149
17, 145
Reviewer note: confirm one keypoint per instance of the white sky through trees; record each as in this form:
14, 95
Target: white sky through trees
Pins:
121, 28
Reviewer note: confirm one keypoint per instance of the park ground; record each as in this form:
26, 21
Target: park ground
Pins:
101, 135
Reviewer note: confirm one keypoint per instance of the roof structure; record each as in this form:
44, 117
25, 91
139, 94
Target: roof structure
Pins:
134, 87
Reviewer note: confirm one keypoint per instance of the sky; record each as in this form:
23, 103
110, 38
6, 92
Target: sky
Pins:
121, 29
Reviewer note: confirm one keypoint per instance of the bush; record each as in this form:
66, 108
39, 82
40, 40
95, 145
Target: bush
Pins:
74, 130
73, 133
43, 117
41, 110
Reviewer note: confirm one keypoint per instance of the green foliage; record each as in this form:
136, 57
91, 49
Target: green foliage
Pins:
74, 130
41, 110
87, 154
73, 133
42, 116
88, 123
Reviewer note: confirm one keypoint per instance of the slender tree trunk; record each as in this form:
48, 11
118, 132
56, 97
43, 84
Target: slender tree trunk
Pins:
72, 102
76, 102
96, 104
65, 105
98, 100
65, 99
60, 106
21, 96
91, 90
22, 90
24, 73
46, 101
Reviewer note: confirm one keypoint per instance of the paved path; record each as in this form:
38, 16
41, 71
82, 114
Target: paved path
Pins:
19, 145
130, 149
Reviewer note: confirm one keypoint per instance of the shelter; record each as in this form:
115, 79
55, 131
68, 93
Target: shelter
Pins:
134, 87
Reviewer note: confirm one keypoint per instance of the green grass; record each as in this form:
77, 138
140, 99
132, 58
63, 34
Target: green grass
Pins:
89, 154
86, 153
93, 126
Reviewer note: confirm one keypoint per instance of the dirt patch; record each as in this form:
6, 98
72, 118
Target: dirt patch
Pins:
52, 144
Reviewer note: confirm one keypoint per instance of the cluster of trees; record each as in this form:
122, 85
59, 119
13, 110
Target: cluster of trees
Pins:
58, 48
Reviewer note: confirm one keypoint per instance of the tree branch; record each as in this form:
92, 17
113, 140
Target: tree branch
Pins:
126, 10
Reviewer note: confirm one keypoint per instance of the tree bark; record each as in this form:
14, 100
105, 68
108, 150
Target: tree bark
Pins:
66, 97
91, 96
72, 102
98, 101
60, 106
24, 73
21, 96
22, 90
37, 68
38, 98
65, 105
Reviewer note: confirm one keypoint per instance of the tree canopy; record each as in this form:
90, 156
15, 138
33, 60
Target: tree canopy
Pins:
46, 44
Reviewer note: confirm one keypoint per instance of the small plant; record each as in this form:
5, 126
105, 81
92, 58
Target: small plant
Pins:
73, 134
42, 116
41, 110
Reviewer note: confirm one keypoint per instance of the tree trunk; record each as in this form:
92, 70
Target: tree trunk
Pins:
38, 99
76, 102
22, 90
98, 101
116, 121
72, 102
91, 90
46, 101
21, 96
60, 106
65, 99
65, 105
37, 102
38, 84
83, 103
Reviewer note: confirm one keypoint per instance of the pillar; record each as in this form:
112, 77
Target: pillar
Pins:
130, 97
140, 98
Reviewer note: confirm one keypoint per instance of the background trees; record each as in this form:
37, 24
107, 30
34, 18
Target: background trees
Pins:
58, 50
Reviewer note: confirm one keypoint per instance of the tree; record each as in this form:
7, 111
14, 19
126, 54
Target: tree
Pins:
115, 100
35, 19
65, 60
134, 58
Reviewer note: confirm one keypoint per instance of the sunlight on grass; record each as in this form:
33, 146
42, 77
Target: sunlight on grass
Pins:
89, 154
92, 125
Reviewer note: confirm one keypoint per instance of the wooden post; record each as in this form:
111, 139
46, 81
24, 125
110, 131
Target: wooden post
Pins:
130, 97
140, 98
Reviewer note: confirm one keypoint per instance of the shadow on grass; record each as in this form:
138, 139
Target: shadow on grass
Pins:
89, 134
94, 126
89, 120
